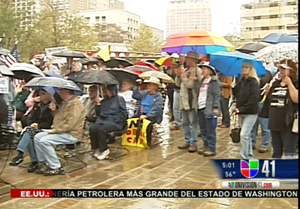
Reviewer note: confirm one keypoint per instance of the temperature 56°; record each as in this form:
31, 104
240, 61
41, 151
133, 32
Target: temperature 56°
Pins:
229, 174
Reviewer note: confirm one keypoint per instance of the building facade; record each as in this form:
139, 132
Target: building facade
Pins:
158, 33
184, 15
292, 29
31, 8
126, 20
82, 5
259, 18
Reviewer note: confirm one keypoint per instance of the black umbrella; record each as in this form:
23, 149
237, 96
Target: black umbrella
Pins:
68, 53
4, 70
25, 71
89, 61
37, 83
115, 62
123, 74
97, 77
250, 48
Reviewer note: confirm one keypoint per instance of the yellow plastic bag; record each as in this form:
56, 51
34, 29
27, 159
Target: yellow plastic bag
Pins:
129, 138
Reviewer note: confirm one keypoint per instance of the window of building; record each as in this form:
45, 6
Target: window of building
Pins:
275, 4
265, 28
97, 19
291, 3
103, 18
257, 18
289, 15
273, 16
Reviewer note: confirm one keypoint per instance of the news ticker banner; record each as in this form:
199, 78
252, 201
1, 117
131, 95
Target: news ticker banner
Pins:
152, 193
257, 169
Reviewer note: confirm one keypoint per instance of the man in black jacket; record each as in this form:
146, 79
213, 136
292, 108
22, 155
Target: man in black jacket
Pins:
263, 122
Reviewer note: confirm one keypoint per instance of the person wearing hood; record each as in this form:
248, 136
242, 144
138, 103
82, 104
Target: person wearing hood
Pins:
208, 109
111, 116
151, 107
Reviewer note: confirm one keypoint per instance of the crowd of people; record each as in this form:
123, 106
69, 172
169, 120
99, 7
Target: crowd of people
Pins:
199, 96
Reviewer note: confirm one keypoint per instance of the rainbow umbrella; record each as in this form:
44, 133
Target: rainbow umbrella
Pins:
198, 41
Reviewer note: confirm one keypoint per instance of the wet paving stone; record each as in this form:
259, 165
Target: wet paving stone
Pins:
162, 167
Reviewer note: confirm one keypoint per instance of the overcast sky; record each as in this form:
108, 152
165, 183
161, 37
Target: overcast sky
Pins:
153, 13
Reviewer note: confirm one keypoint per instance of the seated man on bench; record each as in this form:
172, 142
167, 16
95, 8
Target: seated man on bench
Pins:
111, 116
67, 128
151, 105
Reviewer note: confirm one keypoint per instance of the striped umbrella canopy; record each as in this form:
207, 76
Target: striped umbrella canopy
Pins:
201, 42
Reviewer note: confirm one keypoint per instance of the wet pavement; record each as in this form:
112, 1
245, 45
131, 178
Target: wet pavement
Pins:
162, 167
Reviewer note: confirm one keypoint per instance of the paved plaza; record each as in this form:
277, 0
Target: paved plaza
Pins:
163, 167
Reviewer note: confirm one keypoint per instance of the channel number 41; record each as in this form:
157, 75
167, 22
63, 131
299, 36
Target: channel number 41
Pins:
267, 166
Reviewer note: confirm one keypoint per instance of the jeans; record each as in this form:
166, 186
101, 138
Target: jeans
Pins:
225, 111
26, 143
208, 131
247, 122
266, 134
190, 126
45, 144
176, 108
283, 140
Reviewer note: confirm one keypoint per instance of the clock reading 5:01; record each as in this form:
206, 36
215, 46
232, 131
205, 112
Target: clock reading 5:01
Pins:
228, 165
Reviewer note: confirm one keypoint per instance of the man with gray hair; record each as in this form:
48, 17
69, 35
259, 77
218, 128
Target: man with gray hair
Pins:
50, 68
75, 73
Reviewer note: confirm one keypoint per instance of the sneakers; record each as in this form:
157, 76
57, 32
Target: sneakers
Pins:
33, 167
184, 146
52, 172
192, 148
201, 150
262, 150
16, 161
209, 154
102, 155
69, 154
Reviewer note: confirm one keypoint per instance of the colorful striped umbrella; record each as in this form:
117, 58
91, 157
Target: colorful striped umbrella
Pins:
198, 41
165, 61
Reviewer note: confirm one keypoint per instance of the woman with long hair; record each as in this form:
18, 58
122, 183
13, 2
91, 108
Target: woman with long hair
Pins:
282, 105
247, 99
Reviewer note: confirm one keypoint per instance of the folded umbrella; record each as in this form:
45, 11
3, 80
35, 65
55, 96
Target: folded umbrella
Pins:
162, 76
123, 74
250, 48
25, 71
278, 52
97, 77
60, 83
4, 70
276, 38
230, 63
